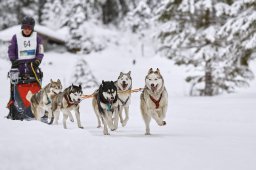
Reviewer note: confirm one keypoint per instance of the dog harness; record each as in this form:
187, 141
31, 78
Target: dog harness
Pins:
156, 101
70, 103
124, 102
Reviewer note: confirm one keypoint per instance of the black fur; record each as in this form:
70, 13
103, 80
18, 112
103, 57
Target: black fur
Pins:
104, 87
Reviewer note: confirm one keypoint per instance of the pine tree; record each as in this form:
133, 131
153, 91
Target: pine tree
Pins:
7, 17
139, 18
83, 75
77, 16
190, 36
54, 14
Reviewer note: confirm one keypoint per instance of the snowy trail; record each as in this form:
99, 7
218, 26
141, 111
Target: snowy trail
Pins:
201, 133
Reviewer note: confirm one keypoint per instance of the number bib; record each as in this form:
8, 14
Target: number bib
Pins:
26, 46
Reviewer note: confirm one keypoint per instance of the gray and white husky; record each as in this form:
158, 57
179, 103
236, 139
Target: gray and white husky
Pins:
154, 99
105, 106
124, 83
42, 100
65, 102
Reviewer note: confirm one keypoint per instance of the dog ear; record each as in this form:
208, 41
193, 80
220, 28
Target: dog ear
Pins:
121, 74
129, 73
103, 82
51, 81
71, 87
58, 80
150, 70
157, 71
80, 86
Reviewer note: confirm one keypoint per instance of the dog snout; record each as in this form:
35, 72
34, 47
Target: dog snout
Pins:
124, 82
112, 98
152, 85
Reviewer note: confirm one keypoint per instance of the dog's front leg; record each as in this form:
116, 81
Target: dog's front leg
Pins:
50, 115
116, 116
120, 110
65, 117
70, 117
126, 109
56, 114
158, 120
108, 116
105, 131
77, 113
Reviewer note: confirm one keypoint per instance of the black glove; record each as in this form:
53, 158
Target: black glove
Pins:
36, 63
15, 63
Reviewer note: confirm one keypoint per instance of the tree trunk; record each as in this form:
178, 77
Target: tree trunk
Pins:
208, 90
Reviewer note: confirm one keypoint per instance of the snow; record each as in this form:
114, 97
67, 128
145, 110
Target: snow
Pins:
202, 133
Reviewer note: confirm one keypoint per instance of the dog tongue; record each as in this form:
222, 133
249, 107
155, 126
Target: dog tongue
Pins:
124, 85
153, 88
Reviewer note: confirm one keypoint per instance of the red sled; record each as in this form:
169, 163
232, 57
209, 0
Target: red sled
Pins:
23, 89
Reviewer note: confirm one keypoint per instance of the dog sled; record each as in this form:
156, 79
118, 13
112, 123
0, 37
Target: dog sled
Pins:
20, 85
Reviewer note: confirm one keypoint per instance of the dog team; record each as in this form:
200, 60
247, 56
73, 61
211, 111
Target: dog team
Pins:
108, 102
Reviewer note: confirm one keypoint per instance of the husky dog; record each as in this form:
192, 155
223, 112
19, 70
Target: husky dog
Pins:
42, 100
67, 101
105, 106
154, 99
124, 83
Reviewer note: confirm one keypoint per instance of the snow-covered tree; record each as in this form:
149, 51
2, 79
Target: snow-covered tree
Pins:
77, 17
83, 75
240, 30
138, 19
8, 18
190, 36
54, 14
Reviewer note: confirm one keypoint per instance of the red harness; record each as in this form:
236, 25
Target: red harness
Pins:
69, 101
156, 101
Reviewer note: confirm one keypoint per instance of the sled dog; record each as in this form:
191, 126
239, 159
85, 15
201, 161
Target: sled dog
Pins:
105, 106
124, 83
42, 100
65, 102
154, 99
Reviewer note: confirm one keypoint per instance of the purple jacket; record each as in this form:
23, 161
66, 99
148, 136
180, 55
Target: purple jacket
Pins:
13, 54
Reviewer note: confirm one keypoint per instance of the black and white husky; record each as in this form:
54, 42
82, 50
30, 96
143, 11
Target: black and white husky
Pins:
67, 101
105, 106
154, 99
124, 83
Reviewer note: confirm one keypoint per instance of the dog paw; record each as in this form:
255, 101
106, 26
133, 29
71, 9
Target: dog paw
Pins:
81, 127
113, 129
164, 123
106, 133
147, 133
99, 126
71, 120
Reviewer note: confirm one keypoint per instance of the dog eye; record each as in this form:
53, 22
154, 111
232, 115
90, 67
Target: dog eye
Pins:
155, 79
150, 79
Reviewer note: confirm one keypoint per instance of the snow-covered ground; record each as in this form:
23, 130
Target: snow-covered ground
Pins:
202, 133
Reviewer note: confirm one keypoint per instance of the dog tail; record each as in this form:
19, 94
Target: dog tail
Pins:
29, 96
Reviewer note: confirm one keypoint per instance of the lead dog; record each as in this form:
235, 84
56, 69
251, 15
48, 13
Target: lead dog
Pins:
124, 83
154, 99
